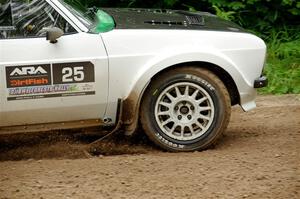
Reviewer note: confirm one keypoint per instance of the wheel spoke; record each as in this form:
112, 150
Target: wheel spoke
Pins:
170, 96
194, 95
177, 91
204, 117
191, 129
206, 108
166, 122
200, 125
200, 101
165, 104
182, 131
173, 128
163, 113
186, 91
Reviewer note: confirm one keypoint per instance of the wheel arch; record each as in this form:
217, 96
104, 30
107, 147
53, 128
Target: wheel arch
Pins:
131, 105
218, 71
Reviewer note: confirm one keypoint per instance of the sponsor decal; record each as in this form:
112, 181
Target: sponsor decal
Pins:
41, 90
23, 76
67, 73
35, 81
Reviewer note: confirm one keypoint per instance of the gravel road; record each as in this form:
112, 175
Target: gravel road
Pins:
258, 157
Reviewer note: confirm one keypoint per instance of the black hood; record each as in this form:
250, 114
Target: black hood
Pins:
129, 18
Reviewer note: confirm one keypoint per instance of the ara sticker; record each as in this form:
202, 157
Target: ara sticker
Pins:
31, 75
50, 80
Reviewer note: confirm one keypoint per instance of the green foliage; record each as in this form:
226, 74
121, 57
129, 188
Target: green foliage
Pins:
283, 62
170, 2
283, 65
283, 74
264, 17
224, 15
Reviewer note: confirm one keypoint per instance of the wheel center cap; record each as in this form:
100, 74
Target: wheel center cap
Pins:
184, 110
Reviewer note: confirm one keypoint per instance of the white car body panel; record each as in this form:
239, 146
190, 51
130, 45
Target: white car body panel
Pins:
145, 58
125, 60
35, 51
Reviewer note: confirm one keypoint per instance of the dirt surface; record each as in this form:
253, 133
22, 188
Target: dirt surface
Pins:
258, 157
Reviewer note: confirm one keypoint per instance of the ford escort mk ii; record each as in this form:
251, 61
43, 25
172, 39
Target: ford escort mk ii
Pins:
175, 73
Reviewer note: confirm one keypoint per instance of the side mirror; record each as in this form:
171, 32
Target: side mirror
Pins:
52, 34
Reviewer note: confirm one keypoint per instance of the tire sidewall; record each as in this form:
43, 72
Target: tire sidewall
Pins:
204, 140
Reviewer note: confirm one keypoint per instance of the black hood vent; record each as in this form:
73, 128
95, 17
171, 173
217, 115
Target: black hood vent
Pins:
169, 23
155, 11
195, 20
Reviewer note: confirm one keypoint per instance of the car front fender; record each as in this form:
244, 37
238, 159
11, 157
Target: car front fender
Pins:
159, 63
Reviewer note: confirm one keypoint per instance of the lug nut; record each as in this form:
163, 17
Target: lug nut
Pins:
176, 108
192, 108
189, 117
179, 117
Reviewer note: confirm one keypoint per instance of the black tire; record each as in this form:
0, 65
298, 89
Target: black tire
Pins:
183, 135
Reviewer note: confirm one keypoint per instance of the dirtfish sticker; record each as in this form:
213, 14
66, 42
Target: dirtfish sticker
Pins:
32, 75
50, 80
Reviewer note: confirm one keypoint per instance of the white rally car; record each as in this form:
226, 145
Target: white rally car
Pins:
176, 73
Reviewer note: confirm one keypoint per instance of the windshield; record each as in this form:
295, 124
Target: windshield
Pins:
94, 19
83, 14
5, 14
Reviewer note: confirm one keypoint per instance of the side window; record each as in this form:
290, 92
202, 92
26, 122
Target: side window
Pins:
23, 20
6, 25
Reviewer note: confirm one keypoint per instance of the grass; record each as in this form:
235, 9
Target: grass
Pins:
283, 65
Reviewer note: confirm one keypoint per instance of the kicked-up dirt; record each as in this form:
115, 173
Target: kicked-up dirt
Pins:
258, 157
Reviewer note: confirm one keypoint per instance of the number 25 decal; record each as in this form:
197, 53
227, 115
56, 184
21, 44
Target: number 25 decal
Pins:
73, 74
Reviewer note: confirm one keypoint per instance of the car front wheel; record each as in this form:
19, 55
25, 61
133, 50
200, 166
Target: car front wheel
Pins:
185, 109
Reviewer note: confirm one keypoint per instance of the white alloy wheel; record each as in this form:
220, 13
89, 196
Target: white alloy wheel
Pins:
184, 111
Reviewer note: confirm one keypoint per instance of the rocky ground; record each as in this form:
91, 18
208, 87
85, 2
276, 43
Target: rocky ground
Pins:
258, 157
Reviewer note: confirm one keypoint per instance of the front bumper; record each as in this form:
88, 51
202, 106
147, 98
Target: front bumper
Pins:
261, 82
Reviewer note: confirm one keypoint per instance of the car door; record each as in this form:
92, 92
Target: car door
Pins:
43, 82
